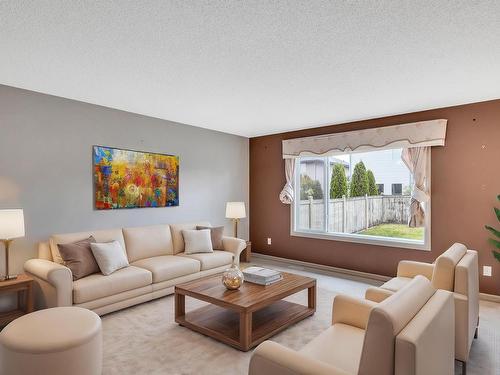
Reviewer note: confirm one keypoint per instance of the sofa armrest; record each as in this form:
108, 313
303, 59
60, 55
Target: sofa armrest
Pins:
55, 281
464, 327
377, 294
409, 268
44, 251
351, 311
270, 358
234, 245
425, 344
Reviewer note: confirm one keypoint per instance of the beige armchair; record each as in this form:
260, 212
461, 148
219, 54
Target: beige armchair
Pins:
455, 270
410, 332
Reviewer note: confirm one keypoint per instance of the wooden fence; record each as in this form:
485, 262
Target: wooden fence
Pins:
351, 215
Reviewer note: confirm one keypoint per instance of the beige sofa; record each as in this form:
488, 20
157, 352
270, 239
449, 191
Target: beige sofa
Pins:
409, 333
455, 270
157, 264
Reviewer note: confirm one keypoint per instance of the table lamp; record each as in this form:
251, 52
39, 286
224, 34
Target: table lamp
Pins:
235, 211
11, 226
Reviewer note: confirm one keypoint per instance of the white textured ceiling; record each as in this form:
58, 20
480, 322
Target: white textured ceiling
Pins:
255, 67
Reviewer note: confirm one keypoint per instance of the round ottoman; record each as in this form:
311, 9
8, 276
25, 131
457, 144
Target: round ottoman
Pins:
61, 340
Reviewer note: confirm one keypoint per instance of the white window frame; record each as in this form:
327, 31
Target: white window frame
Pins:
424, 245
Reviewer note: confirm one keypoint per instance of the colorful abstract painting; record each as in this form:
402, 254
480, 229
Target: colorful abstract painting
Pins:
131, 179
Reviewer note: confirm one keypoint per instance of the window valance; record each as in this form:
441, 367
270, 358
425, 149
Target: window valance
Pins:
415, 134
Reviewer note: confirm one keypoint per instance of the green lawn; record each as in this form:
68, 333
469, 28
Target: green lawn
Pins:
395, 230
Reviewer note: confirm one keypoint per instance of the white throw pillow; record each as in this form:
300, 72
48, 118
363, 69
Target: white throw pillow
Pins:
109, 256
197, 241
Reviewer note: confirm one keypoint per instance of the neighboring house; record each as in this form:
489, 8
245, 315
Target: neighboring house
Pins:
314, 168
391, 174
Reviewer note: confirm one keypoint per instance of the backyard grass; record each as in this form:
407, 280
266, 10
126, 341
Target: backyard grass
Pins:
395, 230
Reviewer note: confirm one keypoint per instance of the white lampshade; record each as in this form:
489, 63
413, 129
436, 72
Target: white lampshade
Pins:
11, 224
235, 210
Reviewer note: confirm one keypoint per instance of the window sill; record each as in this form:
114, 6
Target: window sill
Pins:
364, 239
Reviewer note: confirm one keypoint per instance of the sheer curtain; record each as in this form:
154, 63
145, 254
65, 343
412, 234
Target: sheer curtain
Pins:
417, 159
287, 194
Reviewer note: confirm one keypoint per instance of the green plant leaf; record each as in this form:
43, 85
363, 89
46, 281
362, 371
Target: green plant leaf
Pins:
494, 243
493, 230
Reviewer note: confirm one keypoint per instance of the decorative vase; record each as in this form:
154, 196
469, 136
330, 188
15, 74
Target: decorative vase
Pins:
232, 278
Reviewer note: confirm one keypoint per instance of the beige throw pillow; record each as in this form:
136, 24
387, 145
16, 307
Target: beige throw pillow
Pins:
197, 241
216, 234
109, 256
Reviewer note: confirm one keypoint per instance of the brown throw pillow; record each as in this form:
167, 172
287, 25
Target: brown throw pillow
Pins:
78, 257
216, 234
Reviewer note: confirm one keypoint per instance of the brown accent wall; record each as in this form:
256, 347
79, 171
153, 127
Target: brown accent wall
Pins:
465, 183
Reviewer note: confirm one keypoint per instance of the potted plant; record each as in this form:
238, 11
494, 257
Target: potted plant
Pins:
495, 241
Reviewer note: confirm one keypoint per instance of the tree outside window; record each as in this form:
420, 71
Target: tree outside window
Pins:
359, 181
310, 188
338, 183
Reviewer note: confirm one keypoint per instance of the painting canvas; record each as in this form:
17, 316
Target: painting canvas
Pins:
131, 179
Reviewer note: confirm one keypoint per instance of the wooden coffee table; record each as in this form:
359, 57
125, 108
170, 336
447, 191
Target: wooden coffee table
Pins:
245, 317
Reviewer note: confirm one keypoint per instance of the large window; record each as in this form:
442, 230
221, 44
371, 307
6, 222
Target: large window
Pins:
360, 197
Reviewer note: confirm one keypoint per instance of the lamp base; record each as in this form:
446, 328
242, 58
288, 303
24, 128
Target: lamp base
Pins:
235, 226
6, 243
8, 277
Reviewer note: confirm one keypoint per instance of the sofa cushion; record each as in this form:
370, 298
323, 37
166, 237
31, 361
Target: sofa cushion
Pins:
99, 235
211, 260
168, 267
178, 239
340, 345
396, 283
98, 286
147, 242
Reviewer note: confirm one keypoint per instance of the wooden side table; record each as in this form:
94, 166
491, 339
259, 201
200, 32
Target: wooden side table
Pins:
247, 253
23, 287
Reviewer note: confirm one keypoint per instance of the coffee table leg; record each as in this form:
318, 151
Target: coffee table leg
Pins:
245, 330
311, 297
180, 305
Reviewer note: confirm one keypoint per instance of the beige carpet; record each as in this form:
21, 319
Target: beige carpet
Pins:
145, 340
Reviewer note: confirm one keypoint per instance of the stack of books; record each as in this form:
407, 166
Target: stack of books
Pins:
261, 276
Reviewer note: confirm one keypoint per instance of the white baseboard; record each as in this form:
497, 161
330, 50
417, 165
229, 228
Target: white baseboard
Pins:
345, 271
365, 275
